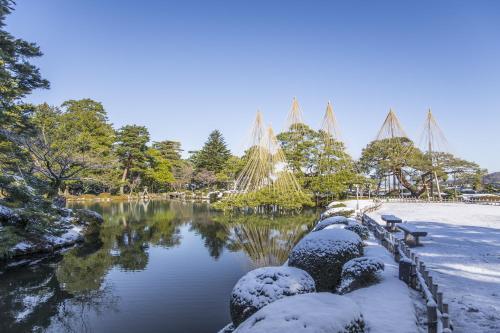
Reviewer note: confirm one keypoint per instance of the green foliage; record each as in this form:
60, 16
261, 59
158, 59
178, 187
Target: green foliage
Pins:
413, 168
214, 154
18, 78
232, 168
159, 171
319, 162
171, 150
131, 150
68, 144
300, 147
266, 200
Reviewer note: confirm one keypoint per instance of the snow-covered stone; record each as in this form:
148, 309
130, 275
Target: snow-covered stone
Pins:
69, 237
307, 313
86, 216
7, 215
323, 253
265, 285
360, 272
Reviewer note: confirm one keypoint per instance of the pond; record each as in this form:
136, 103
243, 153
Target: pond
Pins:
157, 266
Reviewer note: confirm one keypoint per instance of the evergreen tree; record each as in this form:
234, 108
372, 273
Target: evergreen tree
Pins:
159, 171
131, 150
214, 154
67, 144
171, 150
18, 78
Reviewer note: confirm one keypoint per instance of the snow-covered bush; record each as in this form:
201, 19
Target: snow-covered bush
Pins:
308, 313
345, 223
323, 253
337, 211
330, 221
362, 231
264, 285
360, 272
229, 328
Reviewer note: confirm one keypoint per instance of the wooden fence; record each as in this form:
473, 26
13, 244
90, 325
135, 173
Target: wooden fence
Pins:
477, 201
414, 272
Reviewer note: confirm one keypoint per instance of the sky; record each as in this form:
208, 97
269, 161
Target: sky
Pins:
186, 68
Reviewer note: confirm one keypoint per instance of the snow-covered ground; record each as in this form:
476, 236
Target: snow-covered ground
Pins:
386, 306
463, 251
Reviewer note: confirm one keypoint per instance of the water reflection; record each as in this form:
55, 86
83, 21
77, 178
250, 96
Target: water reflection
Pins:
69, 292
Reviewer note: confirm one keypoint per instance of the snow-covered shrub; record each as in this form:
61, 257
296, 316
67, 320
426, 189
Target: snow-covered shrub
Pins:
345, 223
329, 221
360, 272
337, 211
308, 313
264, 285
323, 253
229, 328
362, 231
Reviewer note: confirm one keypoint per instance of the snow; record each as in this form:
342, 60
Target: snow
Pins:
30, 302
22, 246
462, 250
307, 313
329, 221
328, 240
70, 236
5, 211
386, 306
265, 285
353, 204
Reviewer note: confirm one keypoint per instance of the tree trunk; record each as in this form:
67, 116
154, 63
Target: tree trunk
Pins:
124, 177
406, 184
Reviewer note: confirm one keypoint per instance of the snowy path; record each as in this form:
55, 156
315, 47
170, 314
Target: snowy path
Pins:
386, 306
463, 249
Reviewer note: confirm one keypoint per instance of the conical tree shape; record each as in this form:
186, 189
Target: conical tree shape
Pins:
432, 138
295, 115
254, 174
329, 125
391, 128
283, 180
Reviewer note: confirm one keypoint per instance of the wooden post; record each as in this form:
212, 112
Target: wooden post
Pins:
431, 317
434, 290
446, 316
439, 299
413, 276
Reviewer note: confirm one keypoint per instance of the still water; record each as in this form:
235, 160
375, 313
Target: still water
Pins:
158, 266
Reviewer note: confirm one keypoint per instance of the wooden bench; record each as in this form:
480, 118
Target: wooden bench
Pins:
391, 221
410, 229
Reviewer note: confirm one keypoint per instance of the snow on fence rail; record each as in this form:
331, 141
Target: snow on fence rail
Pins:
414, 272
477, 201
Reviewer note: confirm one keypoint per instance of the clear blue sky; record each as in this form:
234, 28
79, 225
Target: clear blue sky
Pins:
183, 69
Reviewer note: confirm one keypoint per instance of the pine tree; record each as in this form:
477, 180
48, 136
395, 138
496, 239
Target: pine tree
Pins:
18, 78
131, 149
214, 154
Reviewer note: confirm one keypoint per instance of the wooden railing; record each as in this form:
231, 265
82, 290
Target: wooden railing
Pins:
414, 272
477, 201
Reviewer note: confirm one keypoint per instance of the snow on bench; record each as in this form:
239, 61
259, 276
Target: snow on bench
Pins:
391, 221
414, 231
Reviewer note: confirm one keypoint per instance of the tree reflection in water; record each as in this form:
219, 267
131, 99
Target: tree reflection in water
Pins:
267, 240
65, 292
